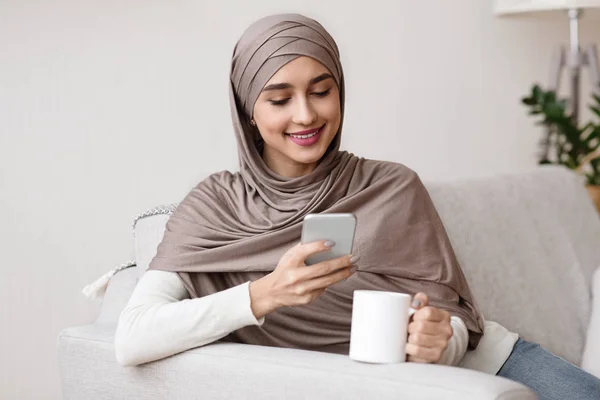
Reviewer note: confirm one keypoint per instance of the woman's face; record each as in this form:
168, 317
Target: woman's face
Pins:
297, 115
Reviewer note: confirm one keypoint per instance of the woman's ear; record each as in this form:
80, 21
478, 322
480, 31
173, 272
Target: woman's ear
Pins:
258, 140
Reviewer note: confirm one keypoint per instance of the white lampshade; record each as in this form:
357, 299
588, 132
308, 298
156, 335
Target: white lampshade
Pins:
523, 6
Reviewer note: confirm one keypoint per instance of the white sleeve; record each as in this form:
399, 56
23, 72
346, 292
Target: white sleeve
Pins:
457, 345
161, 320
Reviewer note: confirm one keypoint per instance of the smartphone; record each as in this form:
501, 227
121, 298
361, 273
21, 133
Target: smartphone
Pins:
338, 227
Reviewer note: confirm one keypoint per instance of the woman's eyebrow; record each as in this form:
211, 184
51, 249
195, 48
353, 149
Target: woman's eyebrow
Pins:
279, 86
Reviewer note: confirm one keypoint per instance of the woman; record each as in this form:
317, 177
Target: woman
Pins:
229, 266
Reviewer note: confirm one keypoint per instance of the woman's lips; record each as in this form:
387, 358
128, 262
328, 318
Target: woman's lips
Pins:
306, 141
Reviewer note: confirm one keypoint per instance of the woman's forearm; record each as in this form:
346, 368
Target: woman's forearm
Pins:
160, 321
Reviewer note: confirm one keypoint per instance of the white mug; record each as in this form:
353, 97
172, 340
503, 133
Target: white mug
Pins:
379, 326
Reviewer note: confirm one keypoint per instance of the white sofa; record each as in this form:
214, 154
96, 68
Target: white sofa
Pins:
528, 243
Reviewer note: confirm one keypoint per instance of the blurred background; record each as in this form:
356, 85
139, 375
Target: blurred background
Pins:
108, 108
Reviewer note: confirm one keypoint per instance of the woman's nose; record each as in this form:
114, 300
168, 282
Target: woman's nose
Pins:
304, 114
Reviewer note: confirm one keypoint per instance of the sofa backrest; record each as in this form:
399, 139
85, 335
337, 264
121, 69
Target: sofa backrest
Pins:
528, 244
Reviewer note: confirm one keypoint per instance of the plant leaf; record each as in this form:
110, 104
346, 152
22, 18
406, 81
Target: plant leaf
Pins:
596, 110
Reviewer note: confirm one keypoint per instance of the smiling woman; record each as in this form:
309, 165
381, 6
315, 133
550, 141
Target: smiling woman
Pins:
242, 230
232, 245
297, 115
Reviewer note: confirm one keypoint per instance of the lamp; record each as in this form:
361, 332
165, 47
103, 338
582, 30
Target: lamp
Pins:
575, 58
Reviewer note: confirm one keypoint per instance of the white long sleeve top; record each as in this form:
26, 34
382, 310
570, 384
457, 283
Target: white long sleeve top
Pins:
161, 320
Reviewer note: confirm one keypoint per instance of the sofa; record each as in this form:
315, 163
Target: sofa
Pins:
528, 242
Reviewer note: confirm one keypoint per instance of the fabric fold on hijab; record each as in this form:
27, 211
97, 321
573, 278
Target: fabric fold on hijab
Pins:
234, 227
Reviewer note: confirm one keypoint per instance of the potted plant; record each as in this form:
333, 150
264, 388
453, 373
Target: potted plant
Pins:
566, 143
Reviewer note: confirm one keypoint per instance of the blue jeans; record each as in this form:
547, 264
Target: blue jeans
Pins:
549, 376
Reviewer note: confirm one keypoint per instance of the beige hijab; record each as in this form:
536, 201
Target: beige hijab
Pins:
234, 228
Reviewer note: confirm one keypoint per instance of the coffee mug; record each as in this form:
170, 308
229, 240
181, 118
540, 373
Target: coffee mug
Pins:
379, 326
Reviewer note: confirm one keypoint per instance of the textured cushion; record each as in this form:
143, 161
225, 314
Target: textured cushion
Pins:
591, 352
148, 233
528, 245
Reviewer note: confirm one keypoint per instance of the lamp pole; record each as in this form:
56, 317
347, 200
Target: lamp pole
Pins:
575, 61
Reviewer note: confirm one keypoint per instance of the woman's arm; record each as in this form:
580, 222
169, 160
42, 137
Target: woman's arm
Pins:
161, 320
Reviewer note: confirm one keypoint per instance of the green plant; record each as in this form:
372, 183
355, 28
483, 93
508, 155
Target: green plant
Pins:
572, 145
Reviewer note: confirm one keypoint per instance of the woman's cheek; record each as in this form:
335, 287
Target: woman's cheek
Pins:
332, 109
276, 125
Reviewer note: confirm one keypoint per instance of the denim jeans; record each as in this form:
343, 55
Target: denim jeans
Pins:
549, 376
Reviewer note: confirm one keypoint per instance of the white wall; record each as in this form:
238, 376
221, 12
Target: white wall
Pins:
108, 108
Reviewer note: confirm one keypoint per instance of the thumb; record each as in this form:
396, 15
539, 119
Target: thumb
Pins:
419, 301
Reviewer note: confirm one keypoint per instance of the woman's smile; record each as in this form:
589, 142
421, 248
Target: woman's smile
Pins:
307, 137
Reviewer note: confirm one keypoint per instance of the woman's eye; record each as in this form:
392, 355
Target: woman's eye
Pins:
322, 94
278, 102
284, 101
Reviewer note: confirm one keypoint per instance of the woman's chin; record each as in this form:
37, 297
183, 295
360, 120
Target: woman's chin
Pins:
309, 156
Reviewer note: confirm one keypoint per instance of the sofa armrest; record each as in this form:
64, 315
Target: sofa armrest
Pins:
232, 370
117, 294
239, 371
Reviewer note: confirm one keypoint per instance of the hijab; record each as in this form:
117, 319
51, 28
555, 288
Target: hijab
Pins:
234, 227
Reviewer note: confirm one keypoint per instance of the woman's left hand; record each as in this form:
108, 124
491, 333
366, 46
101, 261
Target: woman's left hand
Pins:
428, 332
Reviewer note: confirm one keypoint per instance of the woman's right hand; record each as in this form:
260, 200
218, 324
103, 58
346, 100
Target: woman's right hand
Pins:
294, 283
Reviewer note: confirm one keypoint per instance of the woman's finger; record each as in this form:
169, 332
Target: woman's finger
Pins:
430, 328
420, 300
433, 314
417, 360
424, 340
302, 251
325, 268
324, 282
430, 355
